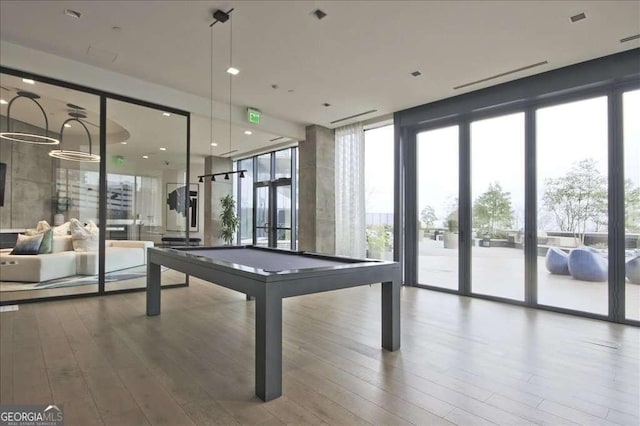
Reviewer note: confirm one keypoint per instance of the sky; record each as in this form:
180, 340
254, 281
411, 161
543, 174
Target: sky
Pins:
566, 134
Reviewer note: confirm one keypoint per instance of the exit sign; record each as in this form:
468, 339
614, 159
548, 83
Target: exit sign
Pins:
253, 115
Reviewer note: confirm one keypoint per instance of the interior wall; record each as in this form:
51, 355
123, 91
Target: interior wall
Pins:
30, 183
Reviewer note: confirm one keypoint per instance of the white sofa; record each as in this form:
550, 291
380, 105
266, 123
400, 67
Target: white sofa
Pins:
64, 262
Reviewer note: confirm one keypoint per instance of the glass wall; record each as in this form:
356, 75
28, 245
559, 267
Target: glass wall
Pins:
497, 193
50, 200
631, 135
41, 195
572, 163
146, 190
438, 170
378, 181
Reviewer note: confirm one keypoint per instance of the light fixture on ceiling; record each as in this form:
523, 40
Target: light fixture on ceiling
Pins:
416, 73
3, 102
163, 149
248, 132
222, 17
166, 114
67, 125
28, 81
123, 143
75, 155
23, 136
145, 156
319, 14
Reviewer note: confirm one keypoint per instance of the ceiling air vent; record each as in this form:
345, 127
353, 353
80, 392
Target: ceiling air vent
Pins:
501, 75
578, 17
276, 139
353, 116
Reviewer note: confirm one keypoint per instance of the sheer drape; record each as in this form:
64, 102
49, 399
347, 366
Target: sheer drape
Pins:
349, 184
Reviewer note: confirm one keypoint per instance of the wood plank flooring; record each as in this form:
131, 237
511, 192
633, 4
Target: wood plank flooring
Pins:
462, 361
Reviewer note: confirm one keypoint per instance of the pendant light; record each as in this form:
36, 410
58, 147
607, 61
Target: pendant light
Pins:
73, 155
24, 136
222, 17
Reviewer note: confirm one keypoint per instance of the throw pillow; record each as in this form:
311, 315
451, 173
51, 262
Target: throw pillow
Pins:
84, 238
62, 229
28, 244
47, 240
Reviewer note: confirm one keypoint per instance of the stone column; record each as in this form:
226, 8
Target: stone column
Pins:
213, 191
316, 191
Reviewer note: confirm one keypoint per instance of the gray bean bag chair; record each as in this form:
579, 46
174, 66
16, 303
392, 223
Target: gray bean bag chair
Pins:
633, 270
557, 261
588, 264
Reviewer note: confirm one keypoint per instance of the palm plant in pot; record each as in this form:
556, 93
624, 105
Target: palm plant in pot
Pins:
228, 219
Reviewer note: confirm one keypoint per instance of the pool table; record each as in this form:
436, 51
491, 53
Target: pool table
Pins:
269, 275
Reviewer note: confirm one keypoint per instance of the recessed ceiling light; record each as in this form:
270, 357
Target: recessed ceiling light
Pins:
145, 156
166, 114
416, 73
578, 17
67, 125
326, 104
214, 144
72, 13
163, 149
123, 143
28, 81
233, 71
248, 132
3, 102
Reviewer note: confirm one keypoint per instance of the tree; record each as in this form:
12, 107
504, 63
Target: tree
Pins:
428, 216
631, 207
492, 210
578, 200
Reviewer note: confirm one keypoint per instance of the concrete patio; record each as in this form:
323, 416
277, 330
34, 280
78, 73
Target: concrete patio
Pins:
498, 271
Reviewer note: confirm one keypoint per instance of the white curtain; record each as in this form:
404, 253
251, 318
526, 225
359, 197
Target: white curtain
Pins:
349, 184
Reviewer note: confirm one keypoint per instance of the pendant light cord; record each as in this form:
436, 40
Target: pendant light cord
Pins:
230, 78
211, 97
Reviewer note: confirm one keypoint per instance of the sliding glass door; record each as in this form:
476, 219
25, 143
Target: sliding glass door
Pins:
438, 232
497, 194
631, 135
572, 181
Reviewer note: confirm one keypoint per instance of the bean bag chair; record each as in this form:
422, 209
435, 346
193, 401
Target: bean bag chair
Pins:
633, 270
557, 261
588, 264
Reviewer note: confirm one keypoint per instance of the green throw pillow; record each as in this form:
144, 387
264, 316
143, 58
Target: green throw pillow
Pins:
47, 240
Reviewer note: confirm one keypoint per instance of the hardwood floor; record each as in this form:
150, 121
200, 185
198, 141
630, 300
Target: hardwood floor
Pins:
462, 361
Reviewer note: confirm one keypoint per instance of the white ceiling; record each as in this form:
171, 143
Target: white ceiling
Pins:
358, 58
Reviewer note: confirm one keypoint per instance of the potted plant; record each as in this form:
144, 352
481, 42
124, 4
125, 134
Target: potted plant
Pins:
228, 219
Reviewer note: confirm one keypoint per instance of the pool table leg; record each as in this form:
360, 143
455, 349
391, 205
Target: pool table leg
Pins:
153, 289
268, 346
391, 315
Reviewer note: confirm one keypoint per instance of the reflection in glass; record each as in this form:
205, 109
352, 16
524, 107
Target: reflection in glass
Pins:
497, 194
245, 204
438, 207
146, 203
283, 208
261, 211
264, 167
572, 187
283, 163
631, 126
38, 188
